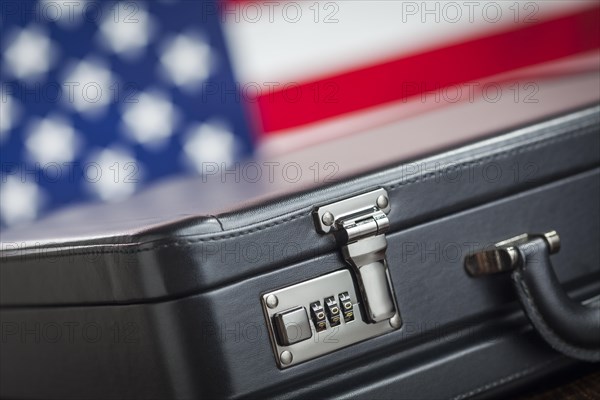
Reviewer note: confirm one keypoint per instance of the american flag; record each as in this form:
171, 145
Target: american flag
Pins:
100, 99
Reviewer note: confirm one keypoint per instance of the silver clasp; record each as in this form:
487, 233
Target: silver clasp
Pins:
360, 224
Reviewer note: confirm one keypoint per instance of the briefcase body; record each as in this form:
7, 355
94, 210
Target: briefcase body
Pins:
356, 289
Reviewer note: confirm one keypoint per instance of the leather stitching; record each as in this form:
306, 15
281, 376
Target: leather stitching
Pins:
390, 187
498, 156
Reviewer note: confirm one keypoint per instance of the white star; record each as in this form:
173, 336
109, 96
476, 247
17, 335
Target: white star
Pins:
68, 14
89, 86
10, 111
151, 120
127, 30
112, 174
19, 201
52, 140
210, 142
186, 61
29, 54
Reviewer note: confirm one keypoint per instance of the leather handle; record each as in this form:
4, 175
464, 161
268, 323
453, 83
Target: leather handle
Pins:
568, 326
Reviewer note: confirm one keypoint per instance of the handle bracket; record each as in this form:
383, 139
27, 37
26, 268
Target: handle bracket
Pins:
569, 327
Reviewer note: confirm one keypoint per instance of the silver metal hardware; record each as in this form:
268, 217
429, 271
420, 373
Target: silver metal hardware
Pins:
344, 208
286, 357
360, 223
504, 257
327, 289
272, 301
382, 201
327, 219
337, 314
292, 326
395, 321
553, 241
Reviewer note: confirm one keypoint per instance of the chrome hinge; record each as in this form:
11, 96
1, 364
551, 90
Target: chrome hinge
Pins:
359, 224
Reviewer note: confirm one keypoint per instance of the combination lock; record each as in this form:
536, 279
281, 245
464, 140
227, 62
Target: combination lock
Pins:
316, 317
325, 314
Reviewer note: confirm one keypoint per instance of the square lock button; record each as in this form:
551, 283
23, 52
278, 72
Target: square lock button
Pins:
292, 326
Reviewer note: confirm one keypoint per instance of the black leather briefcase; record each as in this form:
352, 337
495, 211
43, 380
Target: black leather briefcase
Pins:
469, 272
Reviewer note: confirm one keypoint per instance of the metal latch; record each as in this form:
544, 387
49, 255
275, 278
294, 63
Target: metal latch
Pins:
359, 224
326, 313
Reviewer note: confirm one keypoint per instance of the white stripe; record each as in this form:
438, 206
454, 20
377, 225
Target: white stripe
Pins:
291, 41
436, 130
529, 93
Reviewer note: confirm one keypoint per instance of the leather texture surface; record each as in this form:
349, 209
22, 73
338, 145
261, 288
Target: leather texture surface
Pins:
199, 253
172, 312
568, 326
215, 344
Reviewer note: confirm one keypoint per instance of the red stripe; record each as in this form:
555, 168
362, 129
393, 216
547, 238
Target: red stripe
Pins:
466, 62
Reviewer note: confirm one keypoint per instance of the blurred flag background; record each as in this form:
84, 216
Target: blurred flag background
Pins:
100, 99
